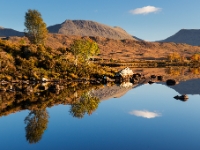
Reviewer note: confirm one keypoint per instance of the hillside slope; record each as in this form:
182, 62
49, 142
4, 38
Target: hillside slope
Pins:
89, 28
127, 49
124, 50
188, 36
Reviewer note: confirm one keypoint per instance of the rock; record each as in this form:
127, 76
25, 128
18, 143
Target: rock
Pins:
126, 84
125, 72
160, 78
183, 97
153, 76
150, 82
54, 87
171, 82
4, 82
44, 79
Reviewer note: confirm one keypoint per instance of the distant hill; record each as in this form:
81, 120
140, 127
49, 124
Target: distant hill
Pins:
188, 87
137, 38
4, 32
188, 36
89, 28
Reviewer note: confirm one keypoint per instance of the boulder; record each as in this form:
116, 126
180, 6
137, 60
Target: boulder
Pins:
171, 82
125, 72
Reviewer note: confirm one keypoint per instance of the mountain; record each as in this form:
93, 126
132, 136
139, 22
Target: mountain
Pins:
5, 32
188, 36
109, 92
89, 28
187, 87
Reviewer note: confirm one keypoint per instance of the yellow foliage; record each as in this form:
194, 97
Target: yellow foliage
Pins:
195, 57
174, 57
73, 76
8, 78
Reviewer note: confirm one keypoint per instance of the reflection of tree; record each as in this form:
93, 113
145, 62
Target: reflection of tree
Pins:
36, 121
175, 71
87, 104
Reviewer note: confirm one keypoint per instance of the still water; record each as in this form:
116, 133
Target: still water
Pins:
144, 117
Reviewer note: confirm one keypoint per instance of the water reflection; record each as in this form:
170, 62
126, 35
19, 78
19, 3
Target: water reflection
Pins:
145, 114
11, 102
78, 97
84, 99
86, 104
36, 123
126, 84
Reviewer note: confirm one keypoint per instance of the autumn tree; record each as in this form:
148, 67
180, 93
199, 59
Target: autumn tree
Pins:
174, 57
195, 57
36, 121
87, 104
36, 30
83, 50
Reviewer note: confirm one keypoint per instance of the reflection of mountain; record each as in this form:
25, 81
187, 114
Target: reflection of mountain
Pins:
188, 87
111, 92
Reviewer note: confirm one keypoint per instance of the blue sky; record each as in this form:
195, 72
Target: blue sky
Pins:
147, 19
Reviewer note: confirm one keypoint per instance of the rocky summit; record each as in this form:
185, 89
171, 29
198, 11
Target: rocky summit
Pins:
89, 28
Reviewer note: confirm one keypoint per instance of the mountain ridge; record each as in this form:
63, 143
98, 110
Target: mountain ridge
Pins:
5, 32
188, 36
89, 28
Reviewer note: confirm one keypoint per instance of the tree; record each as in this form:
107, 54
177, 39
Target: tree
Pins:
91, 49
87, 104
36, 121
195, 57
36, 30
83, 49
174, 57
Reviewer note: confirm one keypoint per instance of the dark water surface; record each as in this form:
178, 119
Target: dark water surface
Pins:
145, 118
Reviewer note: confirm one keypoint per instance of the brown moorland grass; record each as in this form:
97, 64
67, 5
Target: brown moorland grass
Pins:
123, 50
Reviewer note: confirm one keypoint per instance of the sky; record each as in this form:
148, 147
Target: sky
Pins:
150, 20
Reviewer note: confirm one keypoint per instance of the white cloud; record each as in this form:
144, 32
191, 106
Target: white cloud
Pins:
145, 114
145, 10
